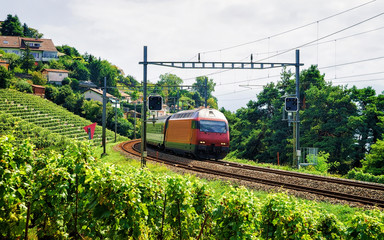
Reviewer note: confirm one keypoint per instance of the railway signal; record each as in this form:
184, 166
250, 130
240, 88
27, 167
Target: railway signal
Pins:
155, 103
291, 104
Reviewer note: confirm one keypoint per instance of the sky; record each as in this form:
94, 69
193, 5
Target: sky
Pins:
344, 38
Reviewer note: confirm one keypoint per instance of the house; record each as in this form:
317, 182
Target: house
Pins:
125, 97
55, 76
97, 95
38, 90
42, 49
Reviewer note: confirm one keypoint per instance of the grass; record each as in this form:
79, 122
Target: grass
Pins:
343, 212
307, 169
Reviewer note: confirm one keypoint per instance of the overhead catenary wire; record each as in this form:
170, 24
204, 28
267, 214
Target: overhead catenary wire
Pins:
305, 44
290, 30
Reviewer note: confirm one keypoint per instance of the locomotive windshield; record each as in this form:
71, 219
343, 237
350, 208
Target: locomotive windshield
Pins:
213, 126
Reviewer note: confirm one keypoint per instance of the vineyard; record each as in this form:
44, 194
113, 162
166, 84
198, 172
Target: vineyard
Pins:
49, 116
72, 195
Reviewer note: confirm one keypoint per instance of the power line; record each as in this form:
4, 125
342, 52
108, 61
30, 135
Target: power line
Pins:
358, 75
306, 44
326, 36
328, 41
364, 80
287, 31
348, 63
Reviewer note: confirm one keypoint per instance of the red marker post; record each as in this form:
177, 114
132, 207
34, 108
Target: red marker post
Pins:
90, 129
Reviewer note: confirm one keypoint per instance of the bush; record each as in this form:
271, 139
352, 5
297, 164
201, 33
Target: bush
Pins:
358, 174
5, 77
38, 79
66, 81
373, 162
23, 86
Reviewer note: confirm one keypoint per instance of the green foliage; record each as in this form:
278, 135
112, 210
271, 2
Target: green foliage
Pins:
358, 174
5, 77
27, 60
374, 161
12, 59
23, 86
70, 193
11, 26
38, 79
237, 216
51, 92
367, 226
66, 81
69, 51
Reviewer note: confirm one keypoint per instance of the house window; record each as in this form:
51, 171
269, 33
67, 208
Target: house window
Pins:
49, 54
36, 55
5, 42
60, 74
15, 51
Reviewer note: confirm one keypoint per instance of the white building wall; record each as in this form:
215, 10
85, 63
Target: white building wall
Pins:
56, 76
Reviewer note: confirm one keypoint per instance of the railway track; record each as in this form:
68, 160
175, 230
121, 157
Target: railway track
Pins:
132, 148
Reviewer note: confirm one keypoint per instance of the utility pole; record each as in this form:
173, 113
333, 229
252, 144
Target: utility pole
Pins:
104, 117
134, 125
297, 122
206, 91
115, 120
144, 113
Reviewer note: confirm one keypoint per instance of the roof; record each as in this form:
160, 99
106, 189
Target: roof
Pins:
88, 84
55, 70
100, 92
123, 94
37, 86
19, 42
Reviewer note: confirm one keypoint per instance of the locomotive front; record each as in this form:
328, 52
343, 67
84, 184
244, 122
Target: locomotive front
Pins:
212, 137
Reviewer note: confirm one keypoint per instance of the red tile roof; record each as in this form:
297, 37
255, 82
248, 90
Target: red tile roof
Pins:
99, 91
19, 42
55, 70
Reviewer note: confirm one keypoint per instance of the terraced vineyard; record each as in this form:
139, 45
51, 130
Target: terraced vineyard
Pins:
50, 116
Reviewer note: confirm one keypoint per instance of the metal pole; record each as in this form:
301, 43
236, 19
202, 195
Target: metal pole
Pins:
104, 117
115, 120
134, 124
144, 113
206, 91
297, 122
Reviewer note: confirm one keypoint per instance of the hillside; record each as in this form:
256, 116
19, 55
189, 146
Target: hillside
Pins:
49, 116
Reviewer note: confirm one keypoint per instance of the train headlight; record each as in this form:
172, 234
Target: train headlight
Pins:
223, 144
202, 142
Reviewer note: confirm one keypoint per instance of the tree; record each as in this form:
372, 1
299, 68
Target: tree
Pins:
374, 161
199, 86
11, 26
13, 60
27, 60
80, 71
31, 32
5, 77
64, 92
325, 123
38, 79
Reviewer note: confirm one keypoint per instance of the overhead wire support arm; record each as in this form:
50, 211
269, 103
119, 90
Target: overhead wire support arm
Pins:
220, 65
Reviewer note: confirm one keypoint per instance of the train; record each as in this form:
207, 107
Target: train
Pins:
202, 133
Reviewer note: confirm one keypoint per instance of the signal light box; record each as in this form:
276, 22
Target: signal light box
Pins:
155, 103
291, 104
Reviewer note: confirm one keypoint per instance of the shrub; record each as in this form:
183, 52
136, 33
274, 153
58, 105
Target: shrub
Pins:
38, 79
23, 86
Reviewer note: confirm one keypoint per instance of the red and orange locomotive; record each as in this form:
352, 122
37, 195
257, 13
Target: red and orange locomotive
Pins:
201, 132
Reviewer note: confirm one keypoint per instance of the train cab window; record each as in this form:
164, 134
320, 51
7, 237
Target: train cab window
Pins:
213, 126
